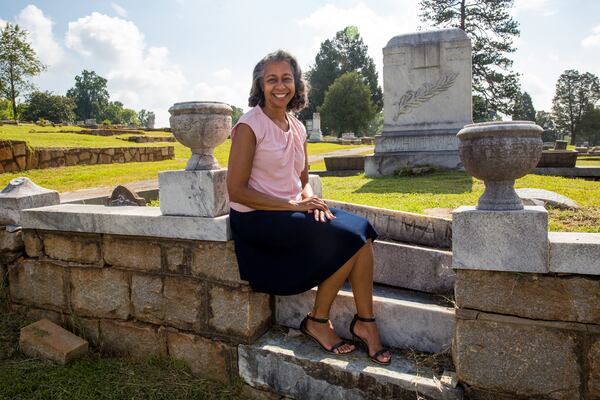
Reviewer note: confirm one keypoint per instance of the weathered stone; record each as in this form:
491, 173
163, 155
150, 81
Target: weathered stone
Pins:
548, 197
520, 358
176, 259
574, 252
500, 241
100, 293
342, 163
124, 196
555, 298
80, 248
35, 314
11, 245
38, 283
44, 339
593, 359
34, 247
207, 358
171, 301
21, 162
21, 193
214, 260
87, 328
20, 149
130, 338
239, 312
141, 255
5, 152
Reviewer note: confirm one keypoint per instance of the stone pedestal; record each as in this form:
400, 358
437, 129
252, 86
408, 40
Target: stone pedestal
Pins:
20, 194
201, 193
427, 100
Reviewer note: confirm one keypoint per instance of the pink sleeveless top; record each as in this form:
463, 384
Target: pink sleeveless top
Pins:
278, 159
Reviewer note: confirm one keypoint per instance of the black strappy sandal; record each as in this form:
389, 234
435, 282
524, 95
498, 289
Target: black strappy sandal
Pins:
358, 340
322, 321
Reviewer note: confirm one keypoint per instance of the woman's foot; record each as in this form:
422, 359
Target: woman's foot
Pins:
365, 329
321, 330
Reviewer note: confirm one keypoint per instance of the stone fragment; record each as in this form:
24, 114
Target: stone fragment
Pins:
141, 255
207, 358
124, 196
100, 293
11, 245
77, 247
171, 301
548, 197
176, 259
529, 360
130, 338
34, 247
593, 359
215, 260
572, 298
239, 312
44, 339
500, 241
38, 283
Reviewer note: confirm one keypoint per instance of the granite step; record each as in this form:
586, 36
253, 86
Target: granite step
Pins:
294, 366
407, 319
413, 267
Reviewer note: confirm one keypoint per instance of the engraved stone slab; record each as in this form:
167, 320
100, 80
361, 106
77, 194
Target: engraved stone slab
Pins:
201, 193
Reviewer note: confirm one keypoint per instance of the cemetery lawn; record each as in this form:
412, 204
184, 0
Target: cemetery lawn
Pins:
95, 377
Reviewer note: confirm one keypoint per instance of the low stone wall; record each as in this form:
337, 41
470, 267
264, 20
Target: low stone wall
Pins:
109, 132
17, 156
140, 296
344, 163
149, 139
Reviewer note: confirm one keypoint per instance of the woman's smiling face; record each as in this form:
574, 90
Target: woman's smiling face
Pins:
278, 84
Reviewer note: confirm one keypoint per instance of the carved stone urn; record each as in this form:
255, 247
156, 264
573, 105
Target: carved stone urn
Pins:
498, 153
201, 126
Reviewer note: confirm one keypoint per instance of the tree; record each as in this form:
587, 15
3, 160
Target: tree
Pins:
236, 114
575, 94
117, 114
492, 31
346, 52
48, 106
18, 61
523, 109
348, 106
146, 118
589, 126
90, 95
544, 119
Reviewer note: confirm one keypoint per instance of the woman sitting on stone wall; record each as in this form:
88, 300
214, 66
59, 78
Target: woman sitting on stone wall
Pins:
287, 240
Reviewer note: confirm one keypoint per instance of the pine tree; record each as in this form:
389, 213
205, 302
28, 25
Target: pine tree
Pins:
492, 31
523, 109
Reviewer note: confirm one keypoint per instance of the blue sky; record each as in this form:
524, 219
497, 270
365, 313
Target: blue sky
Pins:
156, 53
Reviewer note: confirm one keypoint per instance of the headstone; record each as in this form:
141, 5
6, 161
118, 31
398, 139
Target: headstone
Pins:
21, 193
150, 123
123, 196
427, 100
315, 134
91, 121
547, 197
560, 145
348, 135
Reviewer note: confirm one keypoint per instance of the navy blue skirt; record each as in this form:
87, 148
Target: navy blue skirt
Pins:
287, 252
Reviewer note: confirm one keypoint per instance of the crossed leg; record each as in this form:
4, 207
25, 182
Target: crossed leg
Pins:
359, 270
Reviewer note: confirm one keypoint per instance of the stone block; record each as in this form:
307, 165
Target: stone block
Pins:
128, 338
342, 163
536, 296
44, 339
100, 293
206, 358
177, 259
141, 255
593, 359
34, 246
215, 260
38, 283
239, 313
172, 301
6, 152
575, 252
75, 247
500, 240
20, 149
11, 245
21, 193
194, 193
87, 328
517, 357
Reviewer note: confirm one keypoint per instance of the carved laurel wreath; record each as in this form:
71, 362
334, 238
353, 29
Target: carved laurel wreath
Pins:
412, 99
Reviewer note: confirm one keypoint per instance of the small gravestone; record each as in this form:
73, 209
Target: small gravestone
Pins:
44, 339
315, 134
560, 145
123, 196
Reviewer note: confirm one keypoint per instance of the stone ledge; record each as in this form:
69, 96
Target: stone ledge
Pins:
128, 220
574, 252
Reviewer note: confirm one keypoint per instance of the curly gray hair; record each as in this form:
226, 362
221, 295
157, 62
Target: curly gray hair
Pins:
257, 96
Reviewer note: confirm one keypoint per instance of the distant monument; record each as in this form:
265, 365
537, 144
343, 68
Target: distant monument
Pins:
315, 134
427, 100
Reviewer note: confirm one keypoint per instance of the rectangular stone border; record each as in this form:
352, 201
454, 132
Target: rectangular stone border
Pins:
574, 252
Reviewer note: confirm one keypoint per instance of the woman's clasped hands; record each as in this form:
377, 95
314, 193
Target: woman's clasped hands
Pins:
315, 205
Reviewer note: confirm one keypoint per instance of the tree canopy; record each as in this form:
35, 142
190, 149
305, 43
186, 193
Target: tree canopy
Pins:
348, 106
117, 114
575, 95
346, 52
589, 126
50, 107
90, 95
523, 109
492, 31
18, 62
146, 118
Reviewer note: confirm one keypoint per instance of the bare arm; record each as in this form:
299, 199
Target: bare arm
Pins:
241, 156
308, 193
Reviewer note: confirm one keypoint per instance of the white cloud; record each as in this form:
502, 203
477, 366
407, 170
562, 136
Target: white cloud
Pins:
42, 39
138, 75
121, 12
223, 74
592, 40
544, 7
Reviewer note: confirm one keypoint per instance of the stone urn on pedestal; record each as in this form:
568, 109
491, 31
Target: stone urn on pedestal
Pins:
499, 153
200, 190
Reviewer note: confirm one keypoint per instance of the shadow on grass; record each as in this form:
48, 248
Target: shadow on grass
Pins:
453, 182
